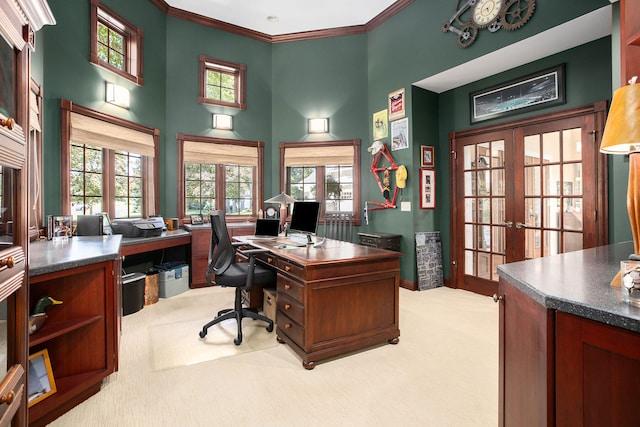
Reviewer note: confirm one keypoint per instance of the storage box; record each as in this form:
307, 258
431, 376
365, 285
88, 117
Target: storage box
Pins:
151, 288
269, 304
173, 279
132, 292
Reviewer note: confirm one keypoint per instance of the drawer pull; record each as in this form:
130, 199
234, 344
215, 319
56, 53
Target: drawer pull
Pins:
8, 122
287, 287
7, 262
8, 398
270, 260
287, 268
287, 306
288, 326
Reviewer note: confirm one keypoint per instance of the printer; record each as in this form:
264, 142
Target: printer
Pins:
138, 227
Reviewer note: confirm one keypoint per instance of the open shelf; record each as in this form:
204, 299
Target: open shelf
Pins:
55, 329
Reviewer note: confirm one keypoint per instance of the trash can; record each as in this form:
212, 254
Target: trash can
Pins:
132, 292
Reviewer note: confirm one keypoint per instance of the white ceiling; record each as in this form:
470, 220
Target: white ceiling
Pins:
576, 32
293, 16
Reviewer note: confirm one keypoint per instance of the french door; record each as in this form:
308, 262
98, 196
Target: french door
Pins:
524, 190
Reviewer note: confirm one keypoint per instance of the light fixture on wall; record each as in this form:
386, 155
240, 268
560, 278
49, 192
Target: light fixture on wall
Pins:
117, 95
318, 125
222, 122
622, 136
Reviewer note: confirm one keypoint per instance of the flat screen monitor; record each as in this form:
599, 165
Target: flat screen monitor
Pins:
304, 218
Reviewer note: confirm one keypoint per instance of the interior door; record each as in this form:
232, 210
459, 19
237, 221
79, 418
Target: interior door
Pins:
525, 190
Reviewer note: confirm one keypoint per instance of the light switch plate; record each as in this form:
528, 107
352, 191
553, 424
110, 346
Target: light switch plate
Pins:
405, 206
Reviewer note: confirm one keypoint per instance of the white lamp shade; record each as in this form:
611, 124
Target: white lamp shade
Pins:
222, 121
318, 125
117, 95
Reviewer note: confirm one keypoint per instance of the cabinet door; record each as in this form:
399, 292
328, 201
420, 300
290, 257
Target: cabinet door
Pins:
596, 369
526, 360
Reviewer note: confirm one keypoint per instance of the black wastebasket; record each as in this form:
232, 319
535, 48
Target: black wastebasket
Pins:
132, 292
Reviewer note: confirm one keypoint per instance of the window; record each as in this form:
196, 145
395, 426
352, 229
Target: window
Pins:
109, 165
323, 171
115, 44
220, 174
222, 83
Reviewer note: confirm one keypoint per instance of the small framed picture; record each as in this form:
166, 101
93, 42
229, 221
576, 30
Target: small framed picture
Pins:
396, 104
427, 189
41, 383
196, 219
426, 156
59, 226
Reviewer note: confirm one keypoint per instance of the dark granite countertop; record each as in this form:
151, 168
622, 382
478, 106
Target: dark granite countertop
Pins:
47, 256
173, 234
578, 283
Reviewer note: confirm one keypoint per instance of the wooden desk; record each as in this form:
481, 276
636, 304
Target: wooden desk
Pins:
168, 239
334, 299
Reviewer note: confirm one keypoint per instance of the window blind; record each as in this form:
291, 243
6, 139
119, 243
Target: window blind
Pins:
213, 153
318, 156
87, 130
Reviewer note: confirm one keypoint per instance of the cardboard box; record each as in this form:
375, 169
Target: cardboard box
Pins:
269, 304
173, 280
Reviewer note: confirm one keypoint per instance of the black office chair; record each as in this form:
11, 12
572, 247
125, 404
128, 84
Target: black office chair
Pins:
338, 226
224, 271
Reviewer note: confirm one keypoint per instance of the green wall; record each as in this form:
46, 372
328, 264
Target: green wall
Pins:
345, 78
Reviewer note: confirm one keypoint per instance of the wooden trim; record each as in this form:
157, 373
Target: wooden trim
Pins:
396, 7
407, 284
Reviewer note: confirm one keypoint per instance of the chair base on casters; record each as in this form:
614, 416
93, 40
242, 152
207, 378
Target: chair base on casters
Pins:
238, 313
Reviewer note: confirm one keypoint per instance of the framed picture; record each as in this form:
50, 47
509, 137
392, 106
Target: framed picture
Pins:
380, 125
196, 219
532, 92
41, 383
426, 156
396, 104
59, 226
400, 134
427, 189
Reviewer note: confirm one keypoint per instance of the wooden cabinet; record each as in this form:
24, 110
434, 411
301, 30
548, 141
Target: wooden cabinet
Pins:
629, 39
596, 369
80, 335
526, 343
18, 23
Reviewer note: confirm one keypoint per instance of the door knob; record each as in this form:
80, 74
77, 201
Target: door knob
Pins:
497, 298
508, 223
520, 225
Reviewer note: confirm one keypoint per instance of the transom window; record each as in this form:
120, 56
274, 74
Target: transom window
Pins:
323, 171
222, 83
115, 43
220, 174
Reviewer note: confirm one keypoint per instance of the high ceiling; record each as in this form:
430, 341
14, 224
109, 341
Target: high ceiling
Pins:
277, 17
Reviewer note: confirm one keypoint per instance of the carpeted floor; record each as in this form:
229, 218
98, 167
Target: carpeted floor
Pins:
444, 372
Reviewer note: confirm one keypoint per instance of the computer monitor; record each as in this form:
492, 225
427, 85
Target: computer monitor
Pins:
304, 218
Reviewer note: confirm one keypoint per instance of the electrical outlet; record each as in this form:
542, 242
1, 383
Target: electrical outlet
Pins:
405, 206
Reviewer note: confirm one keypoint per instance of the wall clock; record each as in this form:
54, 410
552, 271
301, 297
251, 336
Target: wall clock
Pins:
473, 15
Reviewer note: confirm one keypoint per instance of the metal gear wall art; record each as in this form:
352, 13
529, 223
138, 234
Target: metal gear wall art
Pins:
473, 15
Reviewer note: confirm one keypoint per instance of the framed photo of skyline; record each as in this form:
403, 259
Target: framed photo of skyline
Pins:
535, 91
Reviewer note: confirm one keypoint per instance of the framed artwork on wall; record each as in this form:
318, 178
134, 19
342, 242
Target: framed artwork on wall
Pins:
426, 156
380, 125
396, 104
532, 92
427, 189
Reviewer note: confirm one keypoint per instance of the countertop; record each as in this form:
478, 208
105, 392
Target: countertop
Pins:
173, 234
47, 256
578, 283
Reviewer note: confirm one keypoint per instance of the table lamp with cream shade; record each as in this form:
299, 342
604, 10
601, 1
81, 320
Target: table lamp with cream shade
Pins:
622, 136
284, 199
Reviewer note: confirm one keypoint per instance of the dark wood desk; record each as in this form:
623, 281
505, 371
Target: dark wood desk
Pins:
334, 299
168, 239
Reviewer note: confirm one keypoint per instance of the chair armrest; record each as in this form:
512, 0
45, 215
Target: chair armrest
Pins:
252, 252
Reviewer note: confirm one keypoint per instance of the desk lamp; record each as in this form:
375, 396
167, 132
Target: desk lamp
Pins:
284, 199
622, 136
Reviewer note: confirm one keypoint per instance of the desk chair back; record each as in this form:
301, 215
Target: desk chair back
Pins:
338, 226
221, 251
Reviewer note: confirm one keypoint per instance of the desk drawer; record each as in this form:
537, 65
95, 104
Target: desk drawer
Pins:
290, 288
291, 268
290, 328
267, 258
291, 308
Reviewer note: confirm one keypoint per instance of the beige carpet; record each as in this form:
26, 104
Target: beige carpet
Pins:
178, 344
443, 373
